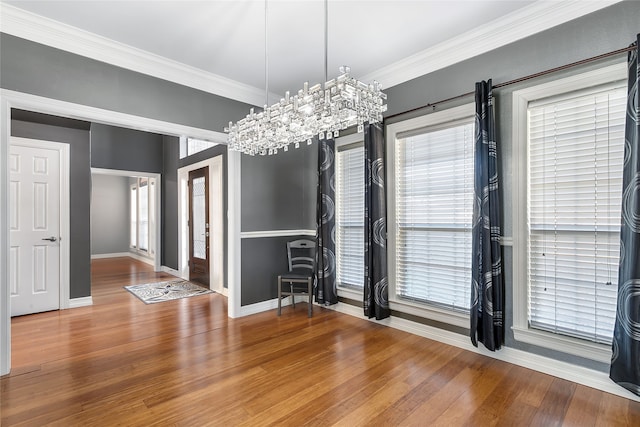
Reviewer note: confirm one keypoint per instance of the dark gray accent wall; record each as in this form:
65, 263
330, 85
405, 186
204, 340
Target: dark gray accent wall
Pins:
600, 32
263, 259
278, 192
34, 68
125, 149
169, 226
80, 197
110, 214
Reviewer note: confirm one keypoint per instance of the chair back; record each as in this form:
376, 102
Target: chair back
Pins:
301, 254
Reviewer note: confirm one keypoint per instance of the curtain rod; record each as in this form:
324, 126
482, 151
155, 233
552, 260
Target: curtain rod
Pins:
520, 79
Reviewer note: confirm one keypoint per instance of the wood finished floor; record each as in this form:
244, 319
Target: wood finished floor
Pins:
183, 362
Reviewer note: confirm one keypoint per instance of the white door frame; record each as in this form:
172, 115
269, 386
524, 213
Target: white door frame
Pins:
157, 265
216, 221
65, 257
11, 99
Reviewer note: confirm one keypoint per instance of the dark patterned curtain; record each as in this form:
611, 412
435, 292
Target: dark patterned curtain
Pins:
376, 297
625, 363
487, 286
326, 292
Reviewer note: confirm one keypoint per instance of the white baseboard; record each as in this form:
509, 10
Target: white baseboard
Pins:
112, 255
144, 259
80, 302
170, 270
567, 371
259, 307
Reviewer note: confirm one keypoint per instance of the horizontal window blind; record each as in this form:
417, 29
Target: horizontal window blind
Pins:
434, 209
350, 217
576, 149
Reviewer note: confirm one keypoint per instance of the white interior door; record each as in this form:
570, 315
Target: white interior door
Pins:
34, 218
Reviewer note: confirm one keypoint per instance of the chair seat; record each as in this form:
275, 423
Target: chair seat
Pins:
296, 276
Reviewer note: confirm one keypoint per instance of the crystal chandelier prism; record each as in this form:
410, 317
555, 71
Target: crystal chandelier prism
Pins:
321, 111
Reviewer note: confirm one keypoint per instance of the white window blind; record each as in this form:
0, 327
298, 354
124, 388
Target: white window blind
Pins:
434, 209
350, 217
576, 146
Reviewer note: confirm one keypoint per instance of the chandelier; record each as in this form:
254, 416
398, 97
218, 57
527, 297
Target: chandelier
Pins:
319, 110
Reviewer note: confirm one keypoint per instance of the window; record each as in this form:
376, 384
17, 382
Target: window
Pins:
431, 211
570, 241
350, 215
191, 146
142, 215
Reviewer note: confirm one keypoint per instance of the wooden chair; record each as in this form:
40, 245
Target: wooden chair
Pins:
299, 279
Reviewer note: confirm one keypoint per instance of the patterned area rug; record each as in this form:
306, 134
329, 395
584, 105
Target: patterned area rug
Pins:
151, 293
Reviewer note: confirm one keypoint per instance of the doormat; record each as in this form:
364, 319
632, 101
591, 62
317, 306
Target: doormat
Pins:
151, 293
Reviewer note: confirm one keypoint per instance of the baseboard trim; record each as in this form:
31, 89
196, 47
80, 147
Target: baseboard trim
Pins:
170, 271
80, 302
276, 233
111, 255
567, 371
259, 307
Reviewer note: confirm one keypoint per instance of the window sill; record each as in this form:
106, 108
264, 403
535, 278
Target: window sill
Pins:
574, 346
429, 312
350, 293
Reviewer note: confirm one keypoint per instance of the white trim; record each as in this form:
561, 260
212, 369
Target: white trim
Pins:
506, 241
40, 104
519, 194
392, 132
272, 304
27, 25
276, 233
564, 370
145, 259
216, 221
80, 302
155, 259
12, 99
518, 25
65, 213
349, 293
111, 255
350, 139
234, 241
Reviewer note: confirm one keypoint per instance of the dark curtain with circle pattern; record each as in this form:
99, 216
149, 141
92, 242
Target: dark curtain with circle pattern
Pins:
376, 297
487, 292
325, 290
625, 362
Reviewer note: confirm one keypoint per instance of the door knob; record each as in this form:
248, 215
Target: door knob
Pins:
51, 239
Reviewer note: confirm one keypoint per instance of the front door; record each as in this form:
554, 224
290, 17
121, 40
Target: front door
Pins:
34, 217
199, 226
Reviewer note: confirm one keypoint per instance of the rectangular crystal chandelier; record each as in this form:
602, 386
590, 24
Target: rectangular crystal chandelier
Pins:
321, 111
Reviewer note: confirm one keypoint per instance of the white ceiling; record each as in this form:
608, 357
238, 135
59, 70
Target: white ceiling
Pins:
227, 38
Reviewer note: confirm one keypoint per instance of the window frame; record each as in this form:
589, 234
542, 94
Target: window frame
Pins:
519, 162
355, 140
440, 314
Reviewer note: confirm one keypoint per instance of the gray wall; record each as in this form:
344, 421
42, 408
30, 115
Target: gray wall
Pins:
110, 219
30, 67
125, 149
603, 31
80, 197
36, 69
169, 220
278, 193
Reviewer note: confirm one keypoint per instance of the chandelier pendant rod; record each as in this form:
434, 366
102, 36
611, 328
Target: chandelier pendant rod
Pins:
326, 40
266, 54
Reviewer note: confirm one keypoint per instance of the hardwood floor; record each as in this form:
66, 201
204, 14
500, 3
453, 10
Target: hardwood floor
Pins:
183, 362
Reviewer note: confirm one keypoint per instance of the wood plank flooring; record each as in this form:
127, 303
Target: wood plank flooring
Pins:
184, 363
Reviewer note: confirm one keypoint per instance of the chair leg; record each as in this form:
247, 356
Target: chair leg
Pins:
310, 298
293, 297
279, 295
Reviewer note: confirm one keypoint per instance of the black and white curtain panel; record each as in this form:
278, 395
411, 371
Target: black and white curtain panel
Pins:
376, 297
625, 362
326, 292
487, 285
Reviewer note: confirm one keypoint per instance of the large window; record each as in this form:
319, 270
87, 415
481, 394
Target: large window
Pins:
431, 211
570, 243
142, 215
350, 215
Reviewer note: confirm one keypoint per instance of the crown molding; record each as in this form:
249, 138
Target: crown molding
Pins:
29, 26
520, 24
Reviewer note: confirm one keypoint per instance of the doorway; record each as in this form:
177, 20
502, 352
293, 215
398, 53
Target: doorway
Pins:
198, 225
214, 234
